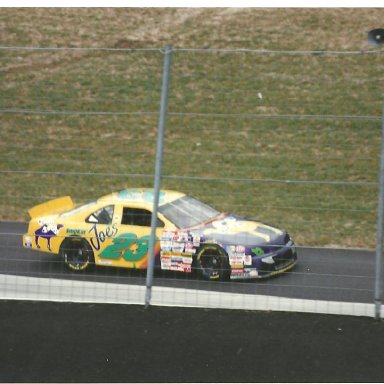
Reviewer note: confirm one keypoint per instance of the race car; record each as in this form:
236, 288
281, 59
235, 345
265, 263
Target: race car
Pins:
191, 236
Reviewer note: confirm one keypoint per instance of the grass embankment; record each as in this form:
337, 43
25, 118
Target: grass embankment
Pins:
240, 124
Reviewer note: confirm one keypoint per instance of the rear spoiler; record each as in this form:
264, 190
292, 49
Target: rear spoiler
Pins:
51, 207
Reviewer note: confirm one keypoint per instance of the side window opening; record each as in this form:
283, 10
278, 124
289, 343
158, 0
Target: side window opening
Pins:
102, 216
139, 217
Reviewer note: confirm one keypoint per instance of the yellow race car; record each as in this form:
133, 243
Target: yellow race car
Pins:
191, 236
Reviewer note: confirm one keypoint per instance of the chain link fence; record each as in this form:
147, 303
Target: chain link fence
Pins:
290, 138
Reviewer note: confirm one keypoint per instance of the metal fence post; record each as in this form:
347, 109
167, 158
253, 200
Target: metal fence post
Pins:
158, 168
379, 237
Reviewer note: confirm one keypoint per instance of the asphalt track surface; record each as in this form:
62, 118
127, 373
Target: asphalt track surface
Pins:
69, 342
321, 274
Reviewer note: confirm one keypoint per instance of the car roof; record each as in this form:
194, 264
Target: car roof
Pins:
142, 196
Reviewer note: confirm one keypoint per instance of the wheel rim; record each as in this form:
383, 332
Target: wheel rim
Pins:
212, 264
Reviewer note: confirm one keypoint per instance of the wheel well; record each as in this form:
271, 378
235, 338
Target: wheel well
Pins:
212, 273
215, 249
71, 240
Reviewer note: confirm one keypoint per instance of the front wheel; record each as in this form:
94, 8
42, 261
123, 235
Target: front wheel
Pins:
213, 263
77, 253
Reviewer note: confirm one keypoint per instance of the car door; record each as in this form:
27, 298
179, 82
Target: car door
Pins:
102, 229
130, 247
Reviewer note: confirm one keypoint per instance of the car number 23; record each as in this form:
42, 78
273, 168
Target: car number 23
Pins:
127, 246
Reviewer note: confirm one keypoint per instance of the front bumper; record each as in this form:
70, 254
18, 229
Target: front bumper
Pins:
279, 260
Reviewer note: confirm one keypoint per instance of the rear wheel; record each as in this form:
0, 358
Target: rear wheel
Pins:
77, 253
212, 263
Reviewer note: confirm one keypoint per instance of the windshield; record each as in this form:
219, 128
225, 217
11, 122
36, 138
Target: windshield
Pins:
187, 212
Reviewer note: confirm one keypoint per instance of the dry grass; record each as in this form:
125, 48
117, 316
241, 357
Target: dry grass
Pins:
326, 29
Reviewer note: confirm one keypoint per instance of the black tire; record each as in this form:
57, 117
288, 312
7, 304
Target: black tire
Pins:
77, 253
212, 263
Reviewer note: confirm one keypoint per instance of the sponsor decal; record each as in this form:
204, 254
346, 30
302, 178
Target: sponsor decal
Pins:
236, 271
178, 246
196, 240
179, 262
28, 241
99, 236
167, 236
166, 245
189, 247
174, 241
47, 231
245, 273
181, 236
233, 226
236, 260
76, 231
226, 225
179, 267
235, 251
177, 254
258, 251
105, 262
237, 255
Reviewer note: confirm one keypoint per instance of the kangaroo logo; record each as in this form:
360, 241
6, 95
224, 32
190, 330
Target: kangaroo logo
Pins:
47, 231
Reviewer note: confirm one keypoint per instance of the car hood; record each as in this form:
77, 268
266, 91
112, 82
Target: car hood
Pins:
232, 229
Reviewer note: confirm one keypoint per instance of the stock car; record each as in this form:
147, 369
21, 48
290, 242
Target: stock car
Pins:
191, 236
